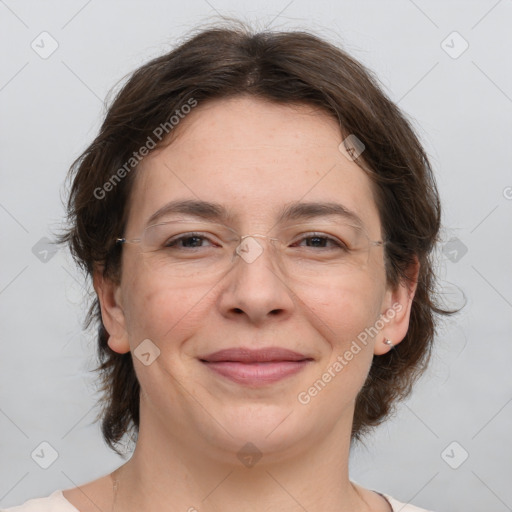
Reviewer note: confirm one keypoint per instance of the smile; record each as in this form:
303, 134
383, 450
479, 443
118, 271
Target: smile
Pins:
256, 367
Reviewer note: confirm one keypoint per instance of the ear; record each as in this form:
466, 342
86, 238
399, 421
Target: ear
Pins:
112, 314
396, 311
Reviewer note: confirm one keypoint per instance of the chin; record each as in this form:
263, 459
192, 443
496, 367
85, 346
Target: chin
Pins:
269, 430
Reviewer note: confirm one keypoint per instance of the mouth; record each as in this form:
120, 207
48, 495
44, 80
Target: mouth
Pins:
256, 367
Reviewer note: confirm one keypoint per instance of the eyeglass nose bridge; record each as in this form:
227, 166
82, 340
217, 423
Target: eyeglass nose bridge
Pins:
249, 250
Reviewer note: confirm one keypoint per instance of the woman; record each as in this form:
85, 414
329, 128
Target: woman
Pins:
258, 220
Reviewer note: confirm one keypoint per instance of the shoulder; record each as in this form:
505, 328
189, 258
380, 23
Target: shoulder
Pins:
398, 506
55, 502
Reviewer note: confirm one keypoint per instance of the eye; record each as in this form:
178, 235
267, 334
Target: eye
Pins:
321, 241
187, 241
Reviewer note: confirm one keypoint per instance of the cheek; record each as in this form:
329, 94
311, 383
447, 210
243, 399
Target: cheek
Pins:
344, 309
345, 316
160, 309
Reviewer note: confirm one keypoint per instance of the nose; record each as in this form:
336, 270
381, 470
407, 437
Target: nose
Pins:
255, 287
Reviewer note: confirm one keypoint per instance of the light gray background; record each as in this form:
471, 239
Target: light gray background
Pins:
52, 108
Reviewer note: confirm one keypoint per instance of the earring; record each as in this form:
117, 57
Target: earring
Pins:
388, 342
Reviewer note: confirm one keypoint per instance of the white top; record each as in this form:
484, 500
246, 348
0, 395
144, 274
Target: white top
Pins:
56, 502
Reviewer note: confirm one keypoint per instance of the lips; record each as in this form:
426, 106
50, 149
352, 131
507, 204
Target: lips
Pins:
262, 355
256, 367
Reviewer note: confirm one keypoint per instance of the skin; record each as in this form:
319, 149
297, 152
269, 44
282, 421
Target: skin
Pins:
252, 156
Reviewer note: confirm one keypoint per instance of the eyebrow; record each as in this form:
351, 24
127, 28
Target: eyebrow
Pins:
218, 213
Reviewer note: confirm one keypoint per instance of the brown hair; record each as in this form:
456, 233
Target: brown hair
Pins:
289, 68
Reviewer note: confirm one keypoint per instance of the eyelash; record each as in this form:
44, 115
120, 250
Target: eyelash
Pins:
338, 243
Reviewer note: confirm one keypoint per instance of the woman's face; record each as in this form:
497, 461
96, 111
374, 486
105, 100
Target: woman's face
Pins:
252, 158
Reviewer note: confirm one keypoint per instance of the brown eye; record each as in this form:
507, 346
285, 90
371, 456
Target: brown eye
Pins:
322, 241
186, 241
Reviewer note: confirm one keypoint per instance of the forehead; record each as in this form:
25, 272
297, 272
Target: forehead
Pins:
253, 157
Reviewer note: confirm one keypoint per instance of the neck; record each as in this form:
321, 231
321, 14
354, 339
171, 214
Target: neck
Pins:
185, 473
